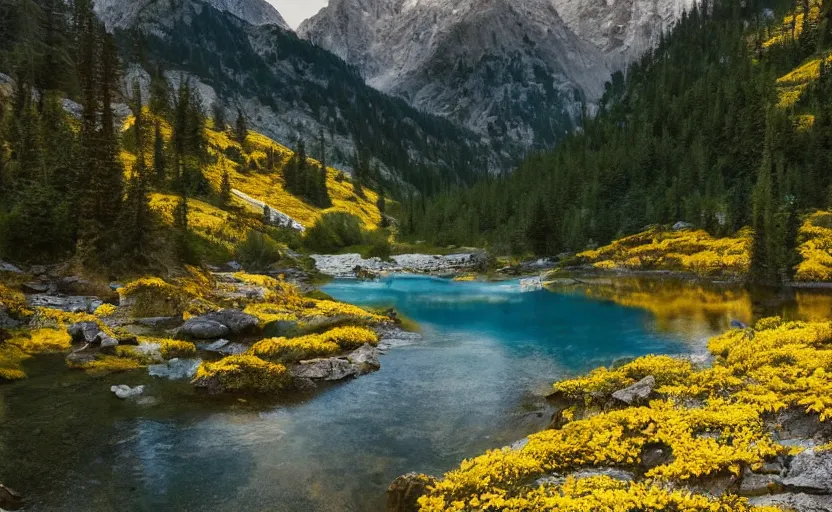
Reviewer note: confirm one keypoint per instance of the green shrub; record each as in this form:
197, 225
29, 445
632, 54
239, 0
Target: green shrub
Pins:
258, 250
333, 232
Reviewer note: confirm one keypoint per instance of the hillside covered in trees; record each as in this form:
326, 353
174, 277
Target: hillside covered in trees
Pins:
726, 125
95, 170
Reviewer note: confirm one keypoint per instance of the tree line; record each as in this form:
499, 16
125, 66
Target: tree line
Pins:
692, 132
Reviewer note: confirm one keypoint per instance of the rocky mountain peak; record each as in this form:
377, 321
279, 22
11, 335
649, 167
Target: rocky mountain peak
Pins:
125, 13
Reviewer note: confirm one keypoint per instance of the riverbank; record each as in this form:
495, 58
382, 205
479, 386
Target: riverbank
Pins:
751, 431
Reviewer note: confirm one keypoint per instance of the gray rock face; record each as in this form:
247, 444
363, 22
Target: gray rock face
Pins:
115, 14
345, 265
236, 321
175, 369
84, 332
328, 369
124, 391
69, 303
474, 61
811, 472
8, 267
365, 359
799, 502
637, 393
203, 329
756, 484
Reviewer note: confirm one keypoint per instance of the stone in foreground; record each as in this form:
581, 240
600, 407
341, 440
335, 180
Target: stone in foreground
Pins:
124, 391
637, 393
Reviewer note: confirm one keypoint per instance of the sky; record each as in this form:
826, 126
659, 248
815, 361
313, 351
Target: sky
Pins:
295, 11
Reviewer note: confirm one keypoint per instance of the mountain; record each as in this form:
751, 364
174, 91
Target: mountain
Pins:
517, 71
289, 88
118, 13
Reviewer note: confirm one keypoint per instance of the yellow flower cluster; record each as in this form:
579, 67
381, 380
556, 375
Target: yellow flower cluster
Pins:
105, 365
782, 33
815, 248
175, 348
245, 373
152, 296
105, 310
688, 250
767, 368
11, 359
42, 341
13, 303
334, 341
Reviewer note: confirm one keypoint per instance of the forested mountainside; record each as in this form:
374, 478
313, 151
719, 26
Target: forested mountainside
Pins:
521, 73
289, 88
152, 183
727, 124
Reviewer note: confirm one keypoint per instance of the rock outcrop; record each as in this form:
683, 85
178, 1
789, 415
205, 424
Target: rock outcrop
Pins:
638, 393
175, 369
359, 362
218, 324
350, 265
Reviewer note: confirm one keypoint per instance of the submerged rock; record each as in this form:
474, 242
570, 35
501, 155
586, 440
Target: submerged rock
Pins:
175, 369
9, 498
404, 492
637, 393
365, 358
124, 391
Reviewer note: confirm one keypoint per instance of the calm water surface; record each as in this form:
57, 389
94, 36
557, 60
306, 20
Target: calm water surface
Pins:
472, 382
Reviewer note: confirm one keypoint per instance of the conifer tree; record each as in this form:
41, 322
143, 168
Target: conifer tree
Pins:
159, 162
241, 127
225, 186
219, 116
381, 204
159, 93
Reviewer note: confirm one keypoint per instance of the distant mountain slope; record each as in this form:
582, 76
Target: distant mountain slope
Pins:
517, 71
289, 88
121, 14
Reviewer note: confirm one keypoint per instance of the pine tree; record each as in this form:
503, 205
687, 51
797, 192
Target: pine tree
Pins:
159, 162
381, 204
225, 186
322, 198
763, 254
241, 127
159, 93
219, 116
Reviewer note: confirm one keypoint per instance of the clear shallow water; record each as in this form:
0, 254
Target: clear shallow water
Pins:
487, 355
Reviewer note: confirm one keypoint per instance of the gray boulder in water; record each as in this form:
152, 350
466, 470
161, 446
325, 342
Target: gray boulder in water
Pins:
84, 332
218, 324
175, 369
124, 391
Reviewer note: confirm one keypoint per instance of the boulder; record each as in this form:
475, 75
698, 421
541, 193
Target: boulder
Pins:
403, 493
224, 347
758, 484
35, 287
655, 454
799, 502
68, 303
682, 225
6, 321
235, 320
365, 358
8, 267
202, 329
85, 332
531, 284
9, 498
175, 369
124, 391
810, 471
159, 322
637, 393
107, 342
328, 369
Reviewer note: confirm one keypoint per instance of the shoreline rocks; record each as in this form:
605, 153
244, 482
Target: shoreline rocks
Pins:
351, 265
124, 391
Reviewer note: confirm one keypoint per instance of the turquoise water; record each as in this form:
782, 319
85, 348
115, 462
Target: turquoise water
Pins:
472, 382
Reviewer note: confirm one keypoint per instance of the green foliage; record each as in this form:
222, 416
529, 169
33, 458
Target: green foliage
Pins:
258, 251
333, 232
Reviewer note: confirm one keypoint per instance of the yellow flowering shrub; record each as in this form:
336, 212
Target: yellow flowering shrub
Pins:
42, 341
175, 348
244, 373
351, 337
104, 310
292, 350
11, 359
687, 250
105, 365
759, 370
815, 248
13, 303
152, 296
